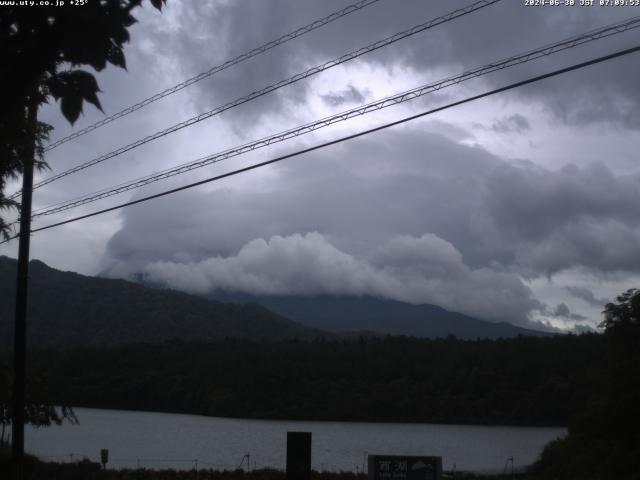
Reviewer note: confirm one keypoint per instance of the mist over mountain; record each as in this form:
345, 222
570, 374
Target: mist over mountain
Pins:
378, 316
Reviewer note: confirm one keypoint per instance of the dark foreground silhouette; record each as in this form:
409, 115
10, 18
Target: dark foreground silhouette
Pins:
520, 381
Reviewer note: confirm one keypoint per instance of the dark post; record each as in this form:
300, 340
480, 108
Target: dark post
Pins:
298, 455
20, 333
104, 457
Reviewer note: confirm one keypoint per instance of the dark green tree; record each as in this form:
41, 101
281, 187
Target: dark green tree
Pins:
38, 409
604, 438
624, 316
622, 330
41, 48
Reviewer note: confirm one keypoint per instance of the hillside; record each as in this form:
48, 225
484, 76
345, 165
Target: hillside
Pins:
352, 314
518, 381
71, 310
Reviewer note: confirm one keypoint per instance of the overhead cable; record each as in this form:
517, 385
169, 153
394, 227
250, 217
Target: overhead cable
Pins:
343, 139
396, 99
259, 93
218, 68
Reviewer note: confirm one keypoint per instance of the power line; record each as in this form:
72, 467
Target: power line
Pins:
252, 96
346, 138
218, 68
530, 55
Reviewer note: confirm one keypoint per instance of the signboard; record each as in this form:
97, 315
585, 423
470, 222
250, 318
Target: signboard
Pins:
400, 467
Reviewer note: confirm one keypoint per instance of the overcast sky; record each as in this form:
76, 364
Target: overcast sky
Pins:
520, 207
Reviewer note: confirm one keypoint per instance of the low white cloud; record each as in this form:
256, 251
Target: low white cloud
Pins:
297, 264
425, 269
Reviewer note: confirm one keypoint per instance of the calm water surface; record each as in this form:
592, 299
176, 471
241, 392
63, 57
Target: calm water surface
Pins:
160, 440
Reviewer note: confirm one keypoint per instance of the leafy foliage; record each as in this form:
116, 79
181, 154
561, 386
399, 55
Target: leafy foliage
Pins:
604, 439
526, 380
87, 470
36, 470
623, 316
71, 88
39, 410
40, 50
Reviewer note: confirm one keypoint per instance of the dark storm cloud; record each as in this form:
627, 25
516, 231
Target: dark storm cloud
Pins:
554, 220
419, 182
580, 329
350, 95
604, 93
514, 124
587, 295
385, 220
421, 218
212, 33
563, 311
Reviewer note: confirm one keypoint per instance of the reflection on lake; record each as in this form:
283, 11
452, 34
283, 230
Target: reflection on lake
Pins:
162, 440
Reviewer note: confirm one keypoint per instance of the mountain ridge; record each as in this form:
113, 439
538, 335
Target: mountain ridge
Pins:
67, 310
351, 314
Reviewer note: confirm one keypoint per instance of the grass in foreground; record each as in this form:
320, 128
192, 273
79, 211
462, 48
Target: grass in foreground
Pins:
86, 470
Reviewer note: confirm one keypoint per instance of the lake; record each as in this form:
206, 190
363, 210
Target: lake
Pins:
163, 440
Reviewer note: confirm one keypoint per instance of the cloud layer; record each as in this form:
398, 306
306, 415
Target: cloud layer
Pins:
417, 270
606, 94
422, 218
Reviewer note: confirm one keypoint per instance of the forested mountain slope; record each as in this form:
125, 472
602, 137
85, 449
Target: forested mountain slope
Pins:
69, 310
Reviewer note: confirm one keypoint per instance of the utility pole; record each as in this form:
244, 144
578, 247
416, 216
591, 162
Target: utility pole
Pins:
20, 332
